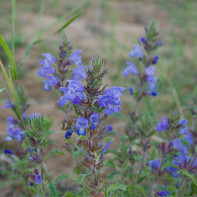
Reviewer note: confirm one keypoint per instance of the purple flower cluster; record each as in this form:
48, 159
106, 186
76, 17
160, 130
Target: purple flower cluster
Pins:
48, 72
13, 131
83, 124
110, 100
151, 80
73, 93
37, 177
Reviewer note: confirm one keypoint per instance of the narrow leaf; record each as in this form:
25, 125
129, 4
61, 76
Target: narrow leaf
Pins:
9, 54
68, 23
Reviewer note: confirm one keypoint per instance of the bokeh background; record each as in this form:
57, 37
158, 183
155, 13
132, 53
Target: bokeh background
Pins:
106, 28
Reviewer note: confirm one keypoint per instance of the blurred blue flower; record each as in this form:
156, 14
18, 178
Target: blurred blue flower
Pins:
155, 59
154, 164
173, 170
76, 57
6, 151
105, 148
79, 73
38, 179
130, 69
164, 193
9, 104
136, 52
163, 125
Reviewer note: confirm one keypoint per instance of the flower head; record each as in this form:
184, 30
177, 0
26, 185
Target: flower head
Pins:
163, 125
76, 57
79, 73
130, 69
82, 124
74, 93
136, 52
111, 100
154, 164
94, 118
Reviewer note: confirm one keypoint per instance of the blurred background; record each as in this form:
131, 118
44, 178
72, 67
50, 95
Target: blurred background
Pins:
105, 28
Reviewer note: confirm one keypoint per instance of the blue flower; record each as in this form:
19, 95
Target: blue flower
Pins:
131, 90
82, 124
76, 57
163, 125
183, 122
130, 69
74, 93
47, 71
9, 104
38, 179
105, 148
160, 43
94, 118
154, 164
51, 81
6, 151
111, 100
69, 133
109, 128
136, 52
150, 71
14, 133
164, 193
173, 170
143, 40
155, 59
79, 73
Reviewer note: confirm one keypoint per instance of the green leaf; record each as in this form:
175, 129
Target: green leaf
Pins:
48, 133
191, 176
61, 177
9, 54
2, 90
68, 23
19, 163
53, 190
13, 25
115, 187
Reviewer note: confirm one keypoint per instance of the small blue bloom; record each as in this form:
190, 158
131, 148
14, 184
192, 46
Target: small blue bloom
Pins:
154, 93
111, 100
6, 151
94, 118
92, 127
69, 133
130, 69
76, 57
74, 93
173, 170
154, 164
155, 59
105, 148
14, 133
163, 125
109, 128
160, 43
79, 73
150, 71
143, 40
82, 124
51, 81
183, 122
38, 179
163, 193
131, 90
136, 52
50, 58
8, 104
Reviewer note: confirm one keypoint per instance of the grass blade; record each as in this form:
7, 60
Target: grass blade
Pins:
9, 54
68, 23
12, 89
13, 26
